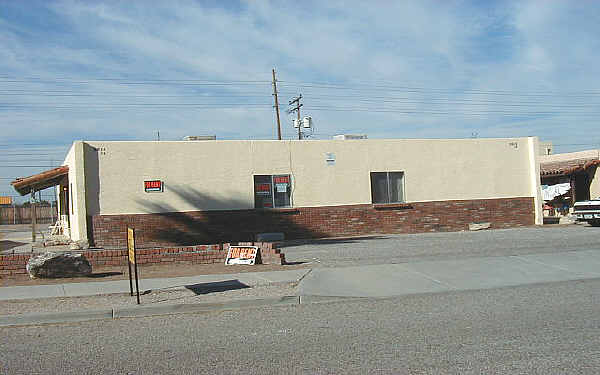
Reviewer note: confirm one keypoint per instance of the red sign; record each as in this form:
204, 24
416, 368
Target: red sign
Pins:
154, 185
263, 188
281, 179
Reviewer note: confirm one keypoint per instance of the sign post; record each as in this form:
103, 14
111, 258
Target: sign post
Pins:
131, 259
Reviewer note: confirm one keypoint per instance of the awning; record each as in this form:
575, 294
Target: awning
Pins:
568, 163
40, 181
567, 167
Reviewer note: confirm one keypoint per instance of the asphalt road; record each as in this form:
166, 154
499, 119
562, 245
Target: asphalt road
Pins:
384, 249
536, 329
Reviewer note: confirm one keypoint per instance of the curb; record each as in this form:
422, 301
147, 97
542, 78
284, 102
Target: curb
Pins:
49, 318
157, 310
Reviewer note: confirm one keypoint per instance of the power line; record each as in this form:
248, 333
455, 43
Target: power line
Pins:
47, 156
402, 100
305, 84
379, 87
23, 160
34, 144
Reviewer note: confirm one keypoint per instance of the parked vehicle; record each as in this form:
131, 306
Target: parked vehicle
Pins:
588, 211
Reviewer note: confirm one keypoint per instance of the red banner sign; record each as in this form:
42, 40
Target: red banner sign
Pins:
153, 185
281, 179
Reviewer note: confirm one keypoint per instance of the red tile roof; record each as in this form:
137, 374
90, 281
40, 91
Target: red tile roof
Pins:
566, 167
40, 181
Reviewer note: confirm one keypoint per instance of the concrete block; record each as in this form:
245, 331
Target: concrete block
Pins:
270, 237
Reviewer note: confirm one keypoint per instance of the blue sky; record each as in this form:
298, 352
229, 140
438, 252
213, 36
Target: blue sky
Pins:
123, 70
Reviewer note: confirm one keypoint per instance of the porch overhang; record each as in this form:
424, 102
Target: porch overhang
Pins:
566, 167
40, 181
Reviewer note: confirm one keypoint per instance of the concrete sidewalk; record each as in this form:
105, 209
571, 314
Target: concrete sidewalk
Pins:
122, 286
390, 280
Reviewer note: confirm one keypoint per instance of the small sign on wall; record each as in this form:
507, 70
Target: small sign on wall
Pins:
330, 158
153, 186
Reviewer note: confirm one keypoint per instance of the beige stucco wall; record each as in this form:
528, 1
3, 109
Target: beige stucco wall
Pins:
535, 179
77, 205
210, 175
595, 183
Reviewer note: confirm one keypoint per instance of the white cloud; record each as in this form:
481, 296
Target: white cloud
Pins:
465, 67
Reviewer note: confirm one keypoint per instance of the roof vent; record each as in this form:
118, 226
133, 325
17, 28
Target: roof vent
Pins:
200, 138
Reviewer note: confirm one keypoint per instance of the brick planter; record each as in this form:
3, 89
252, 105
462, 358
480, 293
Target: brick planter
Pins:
200, 254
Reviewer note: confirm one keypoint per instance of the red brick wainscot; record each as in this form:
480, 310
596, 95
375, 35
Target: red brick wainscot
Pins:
181, 228
14, 264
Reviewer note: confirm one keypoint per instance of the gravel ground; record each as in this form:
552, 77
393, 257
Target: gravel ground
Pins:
403, 248
176, 296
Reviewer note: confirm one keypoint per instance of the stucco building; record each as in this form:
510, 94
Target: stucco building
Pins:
577, 172
186, 192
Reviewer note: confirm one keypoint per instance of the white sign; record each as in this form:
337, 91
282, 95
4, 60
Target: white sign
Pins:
241, 255
281, 188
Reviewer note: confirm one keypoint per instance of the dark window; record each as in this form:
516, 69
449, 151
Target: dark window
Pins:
387, 187
272, 191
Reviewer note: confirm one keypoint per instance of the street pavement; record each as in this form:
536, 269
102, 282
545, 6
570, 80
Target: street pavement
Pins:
551, 328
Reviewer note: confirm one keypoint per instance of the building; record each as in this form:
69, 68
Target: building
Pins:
576, 172
184, 192
546, 148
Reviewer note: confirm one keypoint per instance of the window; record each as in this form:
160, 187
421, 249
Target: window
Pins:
272, 191
387, 187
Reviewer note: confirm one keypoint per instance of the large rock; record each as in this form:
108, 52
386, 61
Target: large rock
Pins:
54, 265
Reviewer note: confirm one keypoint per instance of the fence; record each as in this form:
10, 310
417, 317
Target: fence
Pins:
22, 215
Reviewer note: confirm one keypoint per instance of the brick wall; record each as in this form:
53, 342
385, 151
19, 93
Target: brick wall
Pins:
184, 228
200, 254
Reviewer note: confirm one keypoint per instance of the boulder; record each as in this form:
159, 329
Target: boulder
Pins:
55, 265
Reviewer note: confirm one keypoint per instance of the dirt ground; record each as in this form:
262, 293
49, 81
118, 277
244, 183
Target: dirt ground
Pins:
149, 272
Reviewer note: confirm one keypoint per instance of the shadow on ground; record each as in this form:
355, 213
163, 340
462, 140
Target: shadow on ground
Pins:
7, 244
98, 275
221, 286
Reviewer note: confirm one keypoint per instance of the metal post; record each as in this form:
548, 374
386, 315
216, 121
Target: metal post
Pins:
297, 110
130, 278
33, 216
137, 287
299, 123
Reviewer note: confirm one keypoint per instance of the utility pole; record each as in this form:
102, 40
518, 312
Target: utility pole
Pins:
296, 109
276, 106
